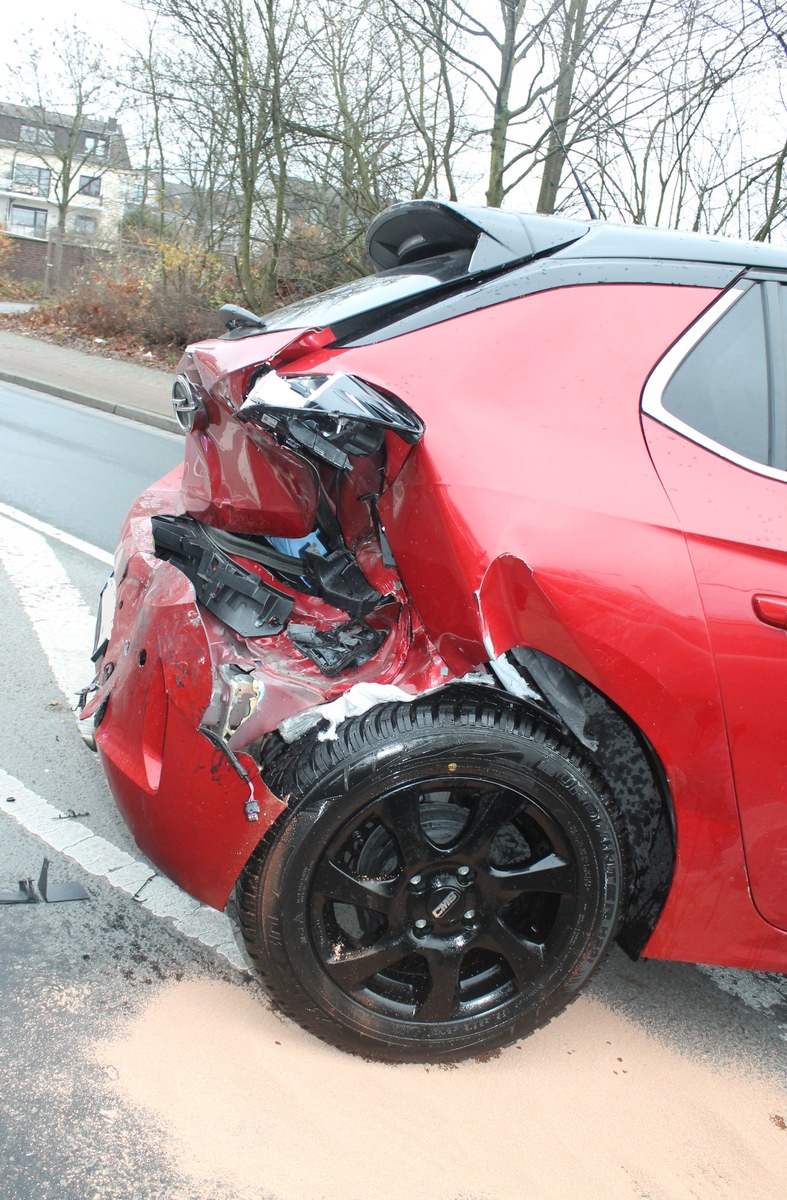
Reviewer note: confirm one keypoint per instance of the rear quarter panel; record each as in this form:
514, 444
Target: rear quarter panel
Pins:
531, 514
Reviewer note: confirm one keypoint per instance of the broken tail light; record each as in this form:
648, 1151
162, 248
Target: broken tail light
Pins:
330, 417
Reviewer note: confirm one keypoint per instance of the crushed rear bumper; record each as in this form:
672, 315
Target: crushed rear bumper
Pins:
181, 700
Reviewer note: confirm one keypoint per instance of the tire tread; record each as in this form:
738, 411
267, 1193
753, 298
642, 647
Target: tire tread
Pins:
299, 771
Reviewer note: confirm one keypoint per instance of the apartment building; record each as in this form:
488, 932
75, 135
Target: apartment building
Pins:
44, 155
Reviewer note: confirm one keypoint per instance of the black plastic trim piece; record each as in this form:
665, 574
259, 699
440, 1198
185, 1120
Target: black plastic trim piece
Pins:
286, 567
337, 649
237, 597
539, 276
339, 580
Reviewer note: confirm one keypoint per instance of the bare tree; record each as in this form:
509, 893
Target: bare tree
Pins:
382, 124
306, 117
513, 56
774, 21
295, 130
673, 146
227, 115
454, 133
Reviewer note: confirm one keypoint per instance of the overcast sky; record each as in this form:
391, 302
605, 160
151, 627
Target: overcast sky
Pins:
117, 24
110, 22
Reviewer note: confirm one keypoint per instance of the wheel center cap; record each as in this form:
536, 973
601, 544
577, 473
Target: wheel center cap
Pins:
443, 902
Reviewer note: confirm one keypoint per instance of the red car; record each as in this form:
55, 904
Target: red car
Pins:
457, 644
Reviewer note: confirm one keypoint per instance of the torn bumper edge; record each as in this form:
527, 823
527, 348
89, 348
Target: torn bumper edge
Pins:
87, 729
196, 808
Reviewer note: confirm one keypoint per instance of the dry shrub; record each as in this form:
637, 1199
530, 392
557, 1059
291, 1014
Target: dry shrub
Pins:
313, 260
162, 295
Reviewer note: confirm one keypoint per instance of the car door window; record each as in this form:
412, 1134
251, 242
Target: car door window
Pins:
721, 388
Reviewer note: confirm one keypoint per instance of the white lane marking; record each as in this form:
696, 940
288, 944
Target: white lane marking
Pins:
98, 856
62, 622
64, 627
60, 535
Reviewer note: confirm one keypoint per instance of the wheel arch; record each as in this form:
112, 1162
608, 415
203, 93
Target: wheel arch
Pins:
628, 764
533, 631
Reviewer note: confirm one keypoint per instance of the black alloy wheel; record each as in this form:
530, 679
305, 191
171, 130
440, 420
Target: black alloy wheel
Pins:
445, 880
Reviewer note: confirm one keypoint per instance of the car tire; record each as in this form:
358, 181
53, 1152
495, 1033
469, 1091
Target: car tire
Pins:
447, 875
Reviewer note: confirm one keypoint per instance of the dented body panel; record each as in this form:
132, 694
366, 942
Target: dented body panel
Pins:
165, 679
527, 515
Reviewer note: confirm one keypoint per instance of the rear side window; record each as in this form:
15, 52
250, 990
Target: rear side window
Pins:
371, 292
721, 389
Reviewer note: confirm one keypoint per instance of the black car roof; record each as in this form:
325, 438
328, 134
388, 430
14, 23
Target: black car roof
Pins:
606, 239
418, 229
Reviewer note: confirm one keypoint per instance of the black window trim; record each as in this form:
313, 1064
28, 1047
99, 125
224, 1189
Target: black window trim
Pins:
16, 207
653, 393
775, 301
89, 185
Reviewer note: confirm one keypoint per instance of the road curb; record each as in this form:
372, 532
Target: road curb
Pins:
141, 415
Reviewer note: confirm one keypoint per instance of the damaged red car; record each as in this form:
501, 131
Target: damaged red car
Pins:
456, 646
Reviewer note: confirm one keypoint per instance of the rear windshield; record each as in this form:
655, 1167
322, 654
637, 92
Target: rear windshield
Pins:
369, 293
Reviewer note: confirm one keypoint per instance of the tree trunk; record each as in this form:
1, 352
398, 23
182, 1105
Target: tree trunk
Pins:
570, 50
53, 270
502, 113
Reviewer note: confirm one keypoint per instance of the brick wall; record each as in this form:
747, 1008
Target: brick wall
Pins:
27, 260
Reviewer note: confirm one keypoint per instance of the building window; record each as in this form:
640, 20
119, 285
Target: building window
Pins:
36, 135
97, 146
136, 193
89, 185
84, 224
34, 180
31, 221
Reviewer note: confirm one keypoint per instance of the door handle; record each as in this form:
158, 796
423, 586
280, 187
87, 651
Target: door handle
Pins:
771, 610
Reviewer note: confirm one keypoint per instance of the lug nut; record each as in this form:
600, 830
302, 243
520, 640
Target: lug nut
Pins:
421, 927
468, 916
464, 874
417, 883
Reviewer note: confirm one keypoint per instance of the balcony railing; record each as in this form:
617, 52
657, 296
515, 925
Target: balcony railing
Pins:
25, 231
19, 188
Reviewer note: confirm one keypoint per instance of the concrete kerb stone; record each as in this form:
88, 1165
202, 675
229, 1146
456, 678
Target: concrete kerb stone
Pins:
143, 417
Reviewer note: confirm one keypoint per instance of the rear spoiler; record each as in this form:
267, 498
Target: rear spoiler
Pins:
419, 229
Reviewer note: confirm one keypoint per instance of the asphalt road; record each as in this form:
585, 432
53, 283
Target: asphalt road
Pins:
77, 977
70, 972
76, 468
